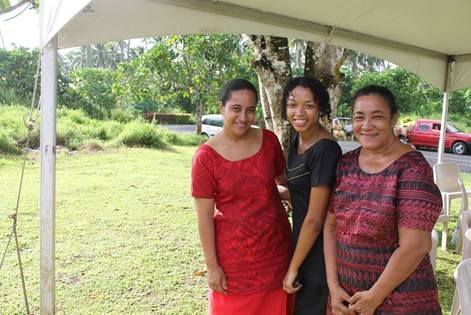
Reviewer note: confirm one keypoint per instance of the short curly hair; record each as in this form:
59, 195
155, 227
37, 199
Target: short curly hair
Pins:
319, 92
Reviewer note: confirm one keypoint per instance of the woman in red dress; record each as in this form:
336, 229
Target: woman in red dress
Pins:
383, 207
244, 230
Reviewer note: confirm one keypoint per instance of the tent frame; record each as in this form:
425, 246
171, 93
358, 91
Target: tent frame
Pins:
331, 34
48, 177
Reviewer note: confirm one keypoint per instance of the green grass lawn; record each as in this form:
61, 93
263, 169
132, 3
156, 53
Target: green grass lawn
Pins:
126, 238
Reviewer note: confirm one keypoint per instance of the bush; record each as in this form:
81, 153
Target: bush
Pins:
138, 134
169, 118
181, 139
122, 116
75, 130
189, 140
7, 145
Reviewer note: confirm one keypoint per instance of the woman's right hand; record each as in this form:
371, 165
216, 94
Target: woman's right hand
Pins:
217, 280
338, 301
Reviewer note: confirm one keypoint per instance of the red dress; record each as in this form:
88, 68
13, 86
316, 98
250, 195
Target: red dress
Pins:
252, 230
369, 209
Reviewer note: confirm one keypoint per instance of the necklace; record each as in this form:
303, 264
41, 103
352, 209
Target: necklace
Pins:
306, 145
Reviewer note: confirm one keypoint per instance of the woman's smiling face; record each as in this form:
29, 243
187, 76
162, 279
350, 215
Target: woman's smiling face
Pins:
239, 111
302, 110
373, 122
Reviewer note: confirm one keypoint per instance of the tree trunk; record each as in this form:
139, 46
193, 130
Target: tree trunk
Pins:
267, 113
100, 49
198, 115
323, 61
273, 67
88, 56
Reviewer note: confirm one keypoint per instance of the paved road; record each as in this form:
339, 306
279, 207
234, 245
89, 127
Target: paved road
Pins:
431, 156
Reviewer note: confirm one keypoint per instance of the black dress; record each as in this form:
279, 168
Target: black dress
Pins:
315, 167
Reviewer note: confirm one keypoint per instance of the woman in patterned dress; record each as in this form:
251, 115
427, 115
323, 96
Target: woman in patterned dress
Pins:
244, 229
383, 207
310, 174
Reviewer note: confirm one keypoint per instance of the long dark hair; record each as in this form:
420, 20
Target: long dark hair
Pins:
236, 85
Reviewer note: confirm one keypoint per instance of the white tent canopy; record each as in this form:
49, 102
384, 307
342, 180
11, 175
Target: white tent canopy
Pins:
419, 35
430, 38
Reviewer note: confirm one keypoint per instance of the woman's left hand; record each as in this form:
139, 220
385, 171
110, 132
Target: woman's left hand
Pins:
364, 302
288, 282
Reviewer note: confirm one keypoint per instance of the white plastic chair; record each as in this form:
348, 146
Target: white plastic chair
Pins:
465, 219
464, 222
433, 250
463, 285
446, 176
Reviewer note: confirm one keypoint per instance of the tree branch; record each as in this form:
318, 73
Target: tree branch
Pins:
16, 6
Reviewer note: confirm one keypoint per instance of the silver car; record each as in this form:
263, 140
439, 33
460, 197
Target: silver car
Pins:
211, 124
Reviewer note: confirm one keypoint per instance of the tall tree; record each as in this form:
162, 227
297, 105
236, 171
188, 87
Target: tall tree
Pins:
205, 63
272, 64
323, 61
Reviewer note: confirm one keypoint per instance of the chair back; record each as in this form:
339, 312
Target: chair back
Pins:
446, 176
464, 199
467, 245
463, 283
465, 221
433, 250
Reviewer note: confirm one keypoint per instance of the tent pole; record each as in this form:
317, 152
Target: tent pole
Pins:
48, 177
441, 144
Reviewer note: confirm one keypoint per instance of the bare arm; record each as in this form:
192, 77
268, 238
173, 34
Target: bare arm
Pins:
284, 193
310, 230
205, 212
413, 246
337, 294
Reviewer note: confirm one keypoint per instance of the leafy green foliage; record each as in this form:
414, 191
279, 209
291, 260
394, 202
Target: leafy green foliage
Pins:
169, 118
6, 145
413, 95
138, 134
76, 130
17, 74
90, 90
181, 72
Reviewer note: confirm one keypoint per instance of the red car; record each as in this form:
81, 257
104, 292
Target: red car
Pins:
426, 133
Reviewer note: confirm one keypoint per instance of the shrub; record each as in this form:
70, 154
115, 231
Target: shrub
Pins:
180, 138
190, 140
7, 145
122, 116
138, 134
92, 145
169, 118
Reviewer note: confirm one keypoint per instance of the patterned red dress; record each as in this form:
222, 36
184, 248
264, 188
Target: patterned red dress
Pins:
369, 209
252, 230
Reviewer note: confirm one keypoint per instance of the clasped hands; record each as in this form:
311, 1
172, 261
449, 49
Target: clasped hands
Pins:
361, 303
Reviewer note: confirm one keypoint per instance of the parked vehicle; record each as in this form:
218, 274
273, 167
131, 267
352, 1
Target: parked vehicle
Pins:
211, 124
426, 133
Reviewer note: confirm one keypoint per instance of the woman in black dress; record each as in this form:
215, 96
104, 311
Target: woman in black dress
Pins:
310, 172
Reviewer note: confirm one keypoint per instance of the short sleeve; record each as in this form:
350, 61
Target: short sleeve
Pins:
323, 163
419, 201
331, 204
203, 184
